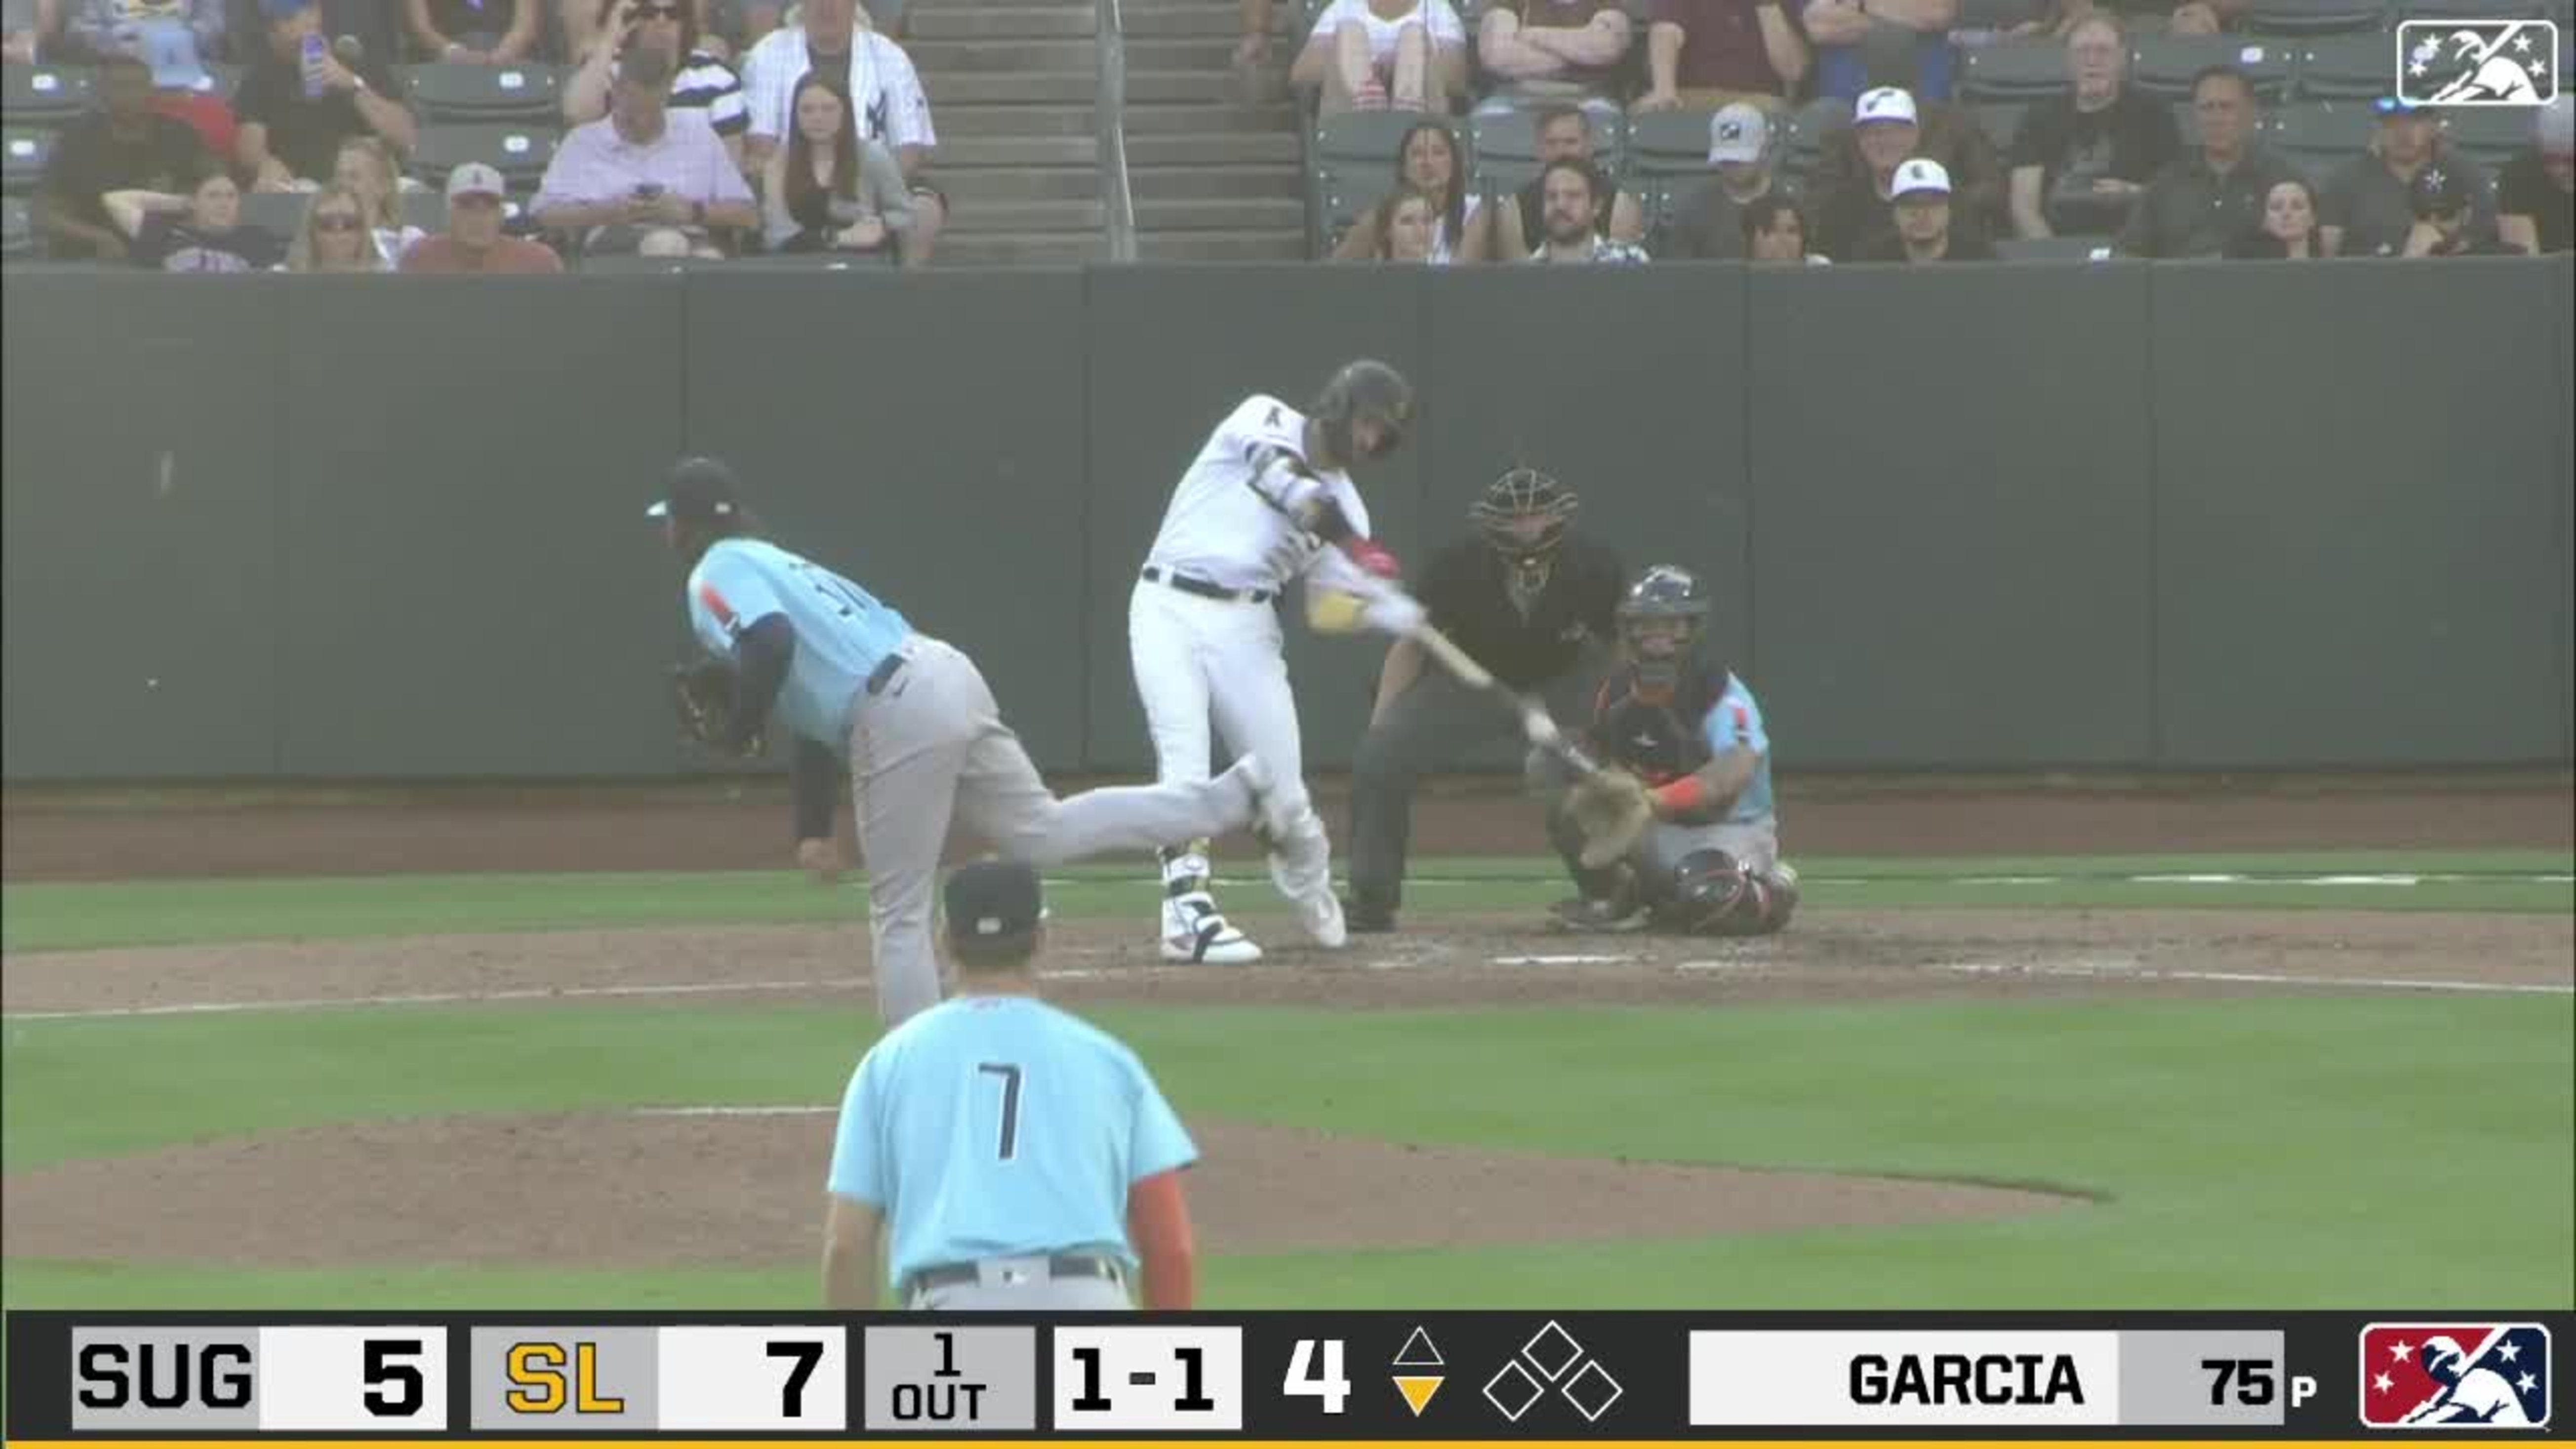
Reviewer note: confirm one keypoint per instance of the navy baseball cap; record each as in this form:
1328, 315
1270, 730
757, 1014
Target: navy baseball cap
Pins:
700, 489
993, 902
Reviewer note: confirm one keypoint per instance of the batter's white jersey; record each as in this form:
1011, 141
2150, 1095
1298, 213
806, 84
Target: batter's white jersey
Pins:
1233, 520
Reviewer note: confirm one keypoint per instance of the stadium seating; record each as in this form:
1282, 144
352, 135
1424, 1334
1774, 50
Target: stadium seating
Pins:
2320, 135
45, 95
2346, 67
1802, 136
1351, 163
2052, 248
2490, 134
17, 233
2314, 17
518, 152
1506, 144
1995, 14
2163, 65
278, 212
2001, 121
2013, 70
498, 93
1668, 143
23, 150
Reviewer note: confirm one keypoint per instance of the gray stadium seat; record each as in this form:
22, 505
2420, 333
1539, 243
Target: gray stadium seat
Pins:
425, 208
1995, 14
2052, 248
1506, 145
2163, 65
23, 150
1668, 143
463, 92
1366, 136
2013, 70
2320, 135
45, 95
2315, 17
1803, 135
2346, 67
17, 232
2490, 134
280, 213
519, 153
2478, 10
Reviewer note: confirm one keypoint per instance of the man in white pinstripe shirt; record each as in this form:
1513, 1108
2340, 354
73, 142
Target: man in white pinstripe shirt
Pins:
882, 83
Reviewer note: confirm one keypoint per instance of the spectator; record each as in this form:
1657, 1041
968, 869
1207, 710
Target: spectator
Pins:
1427, 159
294, 116
827, 190
101, 28
1705, 54
2536, 200
1857, 165
2081, 159
2288, 230
1375, 55
881, 83
2445, 203
1541, 50
1775, 230
335, 236
473, 32
1905, 41
28, 29
1571, 219
705, 82
1739, 156
366, 170
644, 179
123, 146
201, 231
1565, 134
2368, 210
473, 243
1924, 228
1402, 228
2205, 198
181, 87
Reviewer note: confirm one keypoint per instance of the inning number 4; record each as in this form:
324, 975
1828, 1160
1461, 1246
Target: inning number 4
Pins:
1306, 1381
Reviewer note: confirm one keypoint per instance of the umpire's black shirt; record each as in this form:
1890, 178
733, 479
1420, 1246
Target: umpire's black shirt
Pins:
1467, 590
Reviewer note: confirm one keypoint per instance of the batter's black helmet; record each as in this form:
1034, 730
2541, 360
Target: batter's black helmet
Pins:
1364, 389
1513, 499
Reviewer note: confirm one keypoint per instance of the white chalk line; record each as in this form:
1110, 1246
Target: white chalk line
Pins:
2101, 970
428, 998
736, 1111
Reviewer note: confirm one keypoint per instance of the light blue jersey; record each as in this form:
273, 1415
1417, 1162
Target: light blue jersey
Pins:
842, 632
1737, 721
999, 1126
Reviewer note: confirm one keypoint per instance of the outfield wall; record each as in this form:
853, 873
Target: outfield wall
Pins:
2184, 516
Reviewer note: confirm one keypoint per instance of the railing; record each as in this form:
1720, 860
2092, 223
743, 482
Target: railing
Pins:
1116, 202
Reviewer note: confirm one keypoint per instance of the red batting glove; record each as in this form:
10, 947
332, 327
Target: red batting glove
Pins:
1373, 558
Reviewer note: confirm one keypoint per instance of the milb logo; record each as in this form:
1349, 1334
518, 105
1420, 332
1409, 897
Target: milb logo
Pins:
2477, 62
2455, 1376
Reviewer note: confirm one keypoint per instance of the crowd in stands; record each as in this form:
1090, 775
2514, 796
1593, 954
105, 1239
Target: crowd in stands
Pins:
1898, 161
242, 135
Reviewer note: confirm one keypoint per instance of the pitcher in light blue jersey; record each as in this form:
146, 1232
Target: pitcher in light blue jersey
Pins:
1015, 1156
852, 679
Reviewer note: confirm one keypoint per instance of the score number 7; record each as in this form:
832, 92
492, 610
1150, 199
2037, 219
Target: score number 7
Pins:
807, 1353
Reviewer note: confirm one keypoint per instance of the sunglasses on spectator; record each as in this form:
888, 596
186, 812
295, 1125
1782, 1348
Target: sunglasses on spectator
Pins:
657, 12
337, 221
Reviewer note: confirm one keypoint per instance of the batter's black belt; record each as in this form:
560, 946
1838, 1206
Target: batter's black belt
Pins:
960, 1275
1206, 590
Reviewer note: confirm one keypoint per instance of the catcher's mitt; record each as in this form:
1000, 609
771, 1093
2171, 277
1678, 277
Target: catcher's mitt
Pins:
702, 697
1612, 809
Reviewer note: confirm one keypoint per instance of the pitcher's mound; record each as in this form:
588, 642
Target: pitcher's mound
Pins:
651, 1189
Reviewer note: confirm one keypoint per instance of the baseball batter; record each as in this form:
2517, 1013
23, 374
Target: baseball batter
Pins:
1268, 499
845, 673
1688, 728
1017, 1157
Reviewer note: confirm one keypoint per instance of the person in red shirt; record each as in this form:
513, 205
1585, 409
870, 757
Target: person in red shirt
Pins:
473, 242
1704, 54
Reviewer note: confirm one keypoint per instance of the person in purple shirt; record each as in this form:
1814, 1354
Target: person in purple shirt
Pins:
644, 178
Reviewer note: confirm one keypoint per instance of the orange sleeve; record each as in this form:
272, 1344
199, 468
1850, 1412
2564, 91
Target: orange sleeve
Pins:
1158, 1220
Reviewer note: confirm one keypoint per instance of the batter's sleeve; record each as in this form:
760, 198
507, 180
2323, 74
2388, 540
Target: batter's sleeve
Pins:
859, 1168
1157, 1140
728, 594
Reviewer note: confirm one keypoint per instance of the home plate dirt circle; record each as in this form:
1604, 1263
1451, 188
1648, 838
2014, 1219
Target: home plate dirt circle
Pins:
645, 1188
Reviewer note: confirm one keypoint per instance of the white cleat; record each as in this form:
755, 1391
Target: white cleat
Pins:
1195, 931
1321, 914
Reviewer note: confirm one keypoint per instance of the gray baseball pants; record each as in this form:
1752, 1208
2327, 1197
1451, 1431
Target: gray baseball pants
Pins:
1022, 1285
929, 747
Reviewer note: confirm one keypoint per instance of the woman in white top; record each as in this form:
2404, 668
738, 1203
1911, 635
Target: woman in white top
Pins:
1376, 55
1428, 160
365, 168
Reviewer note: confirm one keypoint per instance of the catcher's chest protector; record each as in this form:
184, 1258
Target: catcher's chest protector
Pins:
1658, 742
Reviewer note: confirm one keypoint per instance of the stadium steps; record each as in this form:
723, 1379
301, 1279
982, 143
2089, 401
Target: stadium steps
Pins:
1012, 87
1215, 175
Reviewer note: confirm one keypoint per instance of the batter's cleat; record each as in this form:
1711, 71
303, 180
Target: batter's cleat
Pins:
1585, 914
1194, 930
1320, 912
1366, 919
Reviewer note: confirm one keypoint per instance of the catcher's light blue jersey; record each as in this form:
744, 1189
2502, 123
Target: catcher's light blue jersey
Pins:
842, 631
1737, 720
999, 1126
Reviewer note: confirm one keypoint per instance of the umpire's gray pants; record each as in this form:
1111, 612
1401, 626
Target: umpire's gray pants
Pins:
931, 747
1434, 722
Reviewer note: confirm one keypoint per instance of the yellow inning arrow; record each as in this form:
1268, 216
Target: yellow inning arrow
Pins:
1417, 1390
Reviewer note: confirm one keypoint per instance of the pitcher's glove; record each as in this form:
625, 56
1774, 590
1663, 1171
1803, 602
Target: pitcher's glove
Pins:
1612, 809
702, 697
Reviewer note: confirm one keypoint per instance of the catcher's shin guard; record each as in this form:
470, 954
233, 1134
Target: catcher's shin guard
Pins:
1713, 895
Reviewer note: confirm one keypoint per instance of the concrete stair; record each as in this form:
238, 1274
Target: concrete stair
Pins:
1213, 179
1013, 87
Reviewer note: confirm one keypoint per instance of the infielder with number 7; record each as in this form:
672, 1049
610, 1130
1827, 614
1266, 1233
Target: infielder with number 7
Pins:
925, 741
1268, 499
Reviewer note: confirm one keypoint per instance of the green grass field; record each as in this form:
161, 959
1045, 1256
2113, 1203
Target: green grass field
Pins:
2313, 1149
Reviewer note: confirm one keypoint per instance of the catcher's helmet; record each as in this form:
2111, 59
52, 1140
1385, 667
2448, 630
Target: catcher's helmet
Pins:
1659, 624
1509, 504
1364, 389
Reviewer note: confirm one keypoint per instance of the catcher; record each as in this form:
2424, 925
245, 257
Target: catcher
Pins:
1675, 832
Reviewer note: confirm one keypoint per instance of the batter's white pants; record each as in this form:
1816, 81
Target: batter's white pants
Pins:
1199, 658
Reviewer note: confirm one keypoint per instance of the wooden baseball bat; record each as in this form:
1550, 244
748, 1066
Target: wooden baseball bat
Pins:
1537, 725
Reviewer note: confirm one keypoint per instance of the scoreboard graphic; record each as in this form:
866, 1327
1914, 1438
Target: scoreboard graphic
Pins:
1306, 1377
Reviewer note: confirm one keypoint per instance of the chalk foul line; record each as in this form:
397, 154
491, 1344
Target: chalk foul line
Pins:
433, 998
2105, 970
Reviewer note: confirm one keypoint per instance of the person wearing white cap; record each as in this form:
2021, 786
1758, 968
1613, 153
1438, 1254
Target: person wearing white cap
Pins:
473, 243
2536, 194
1708, 223
1858, 166
1925, 230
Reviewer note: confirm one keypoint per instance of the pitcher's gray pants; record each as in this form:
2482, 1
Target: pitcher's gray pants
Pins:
931, 746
